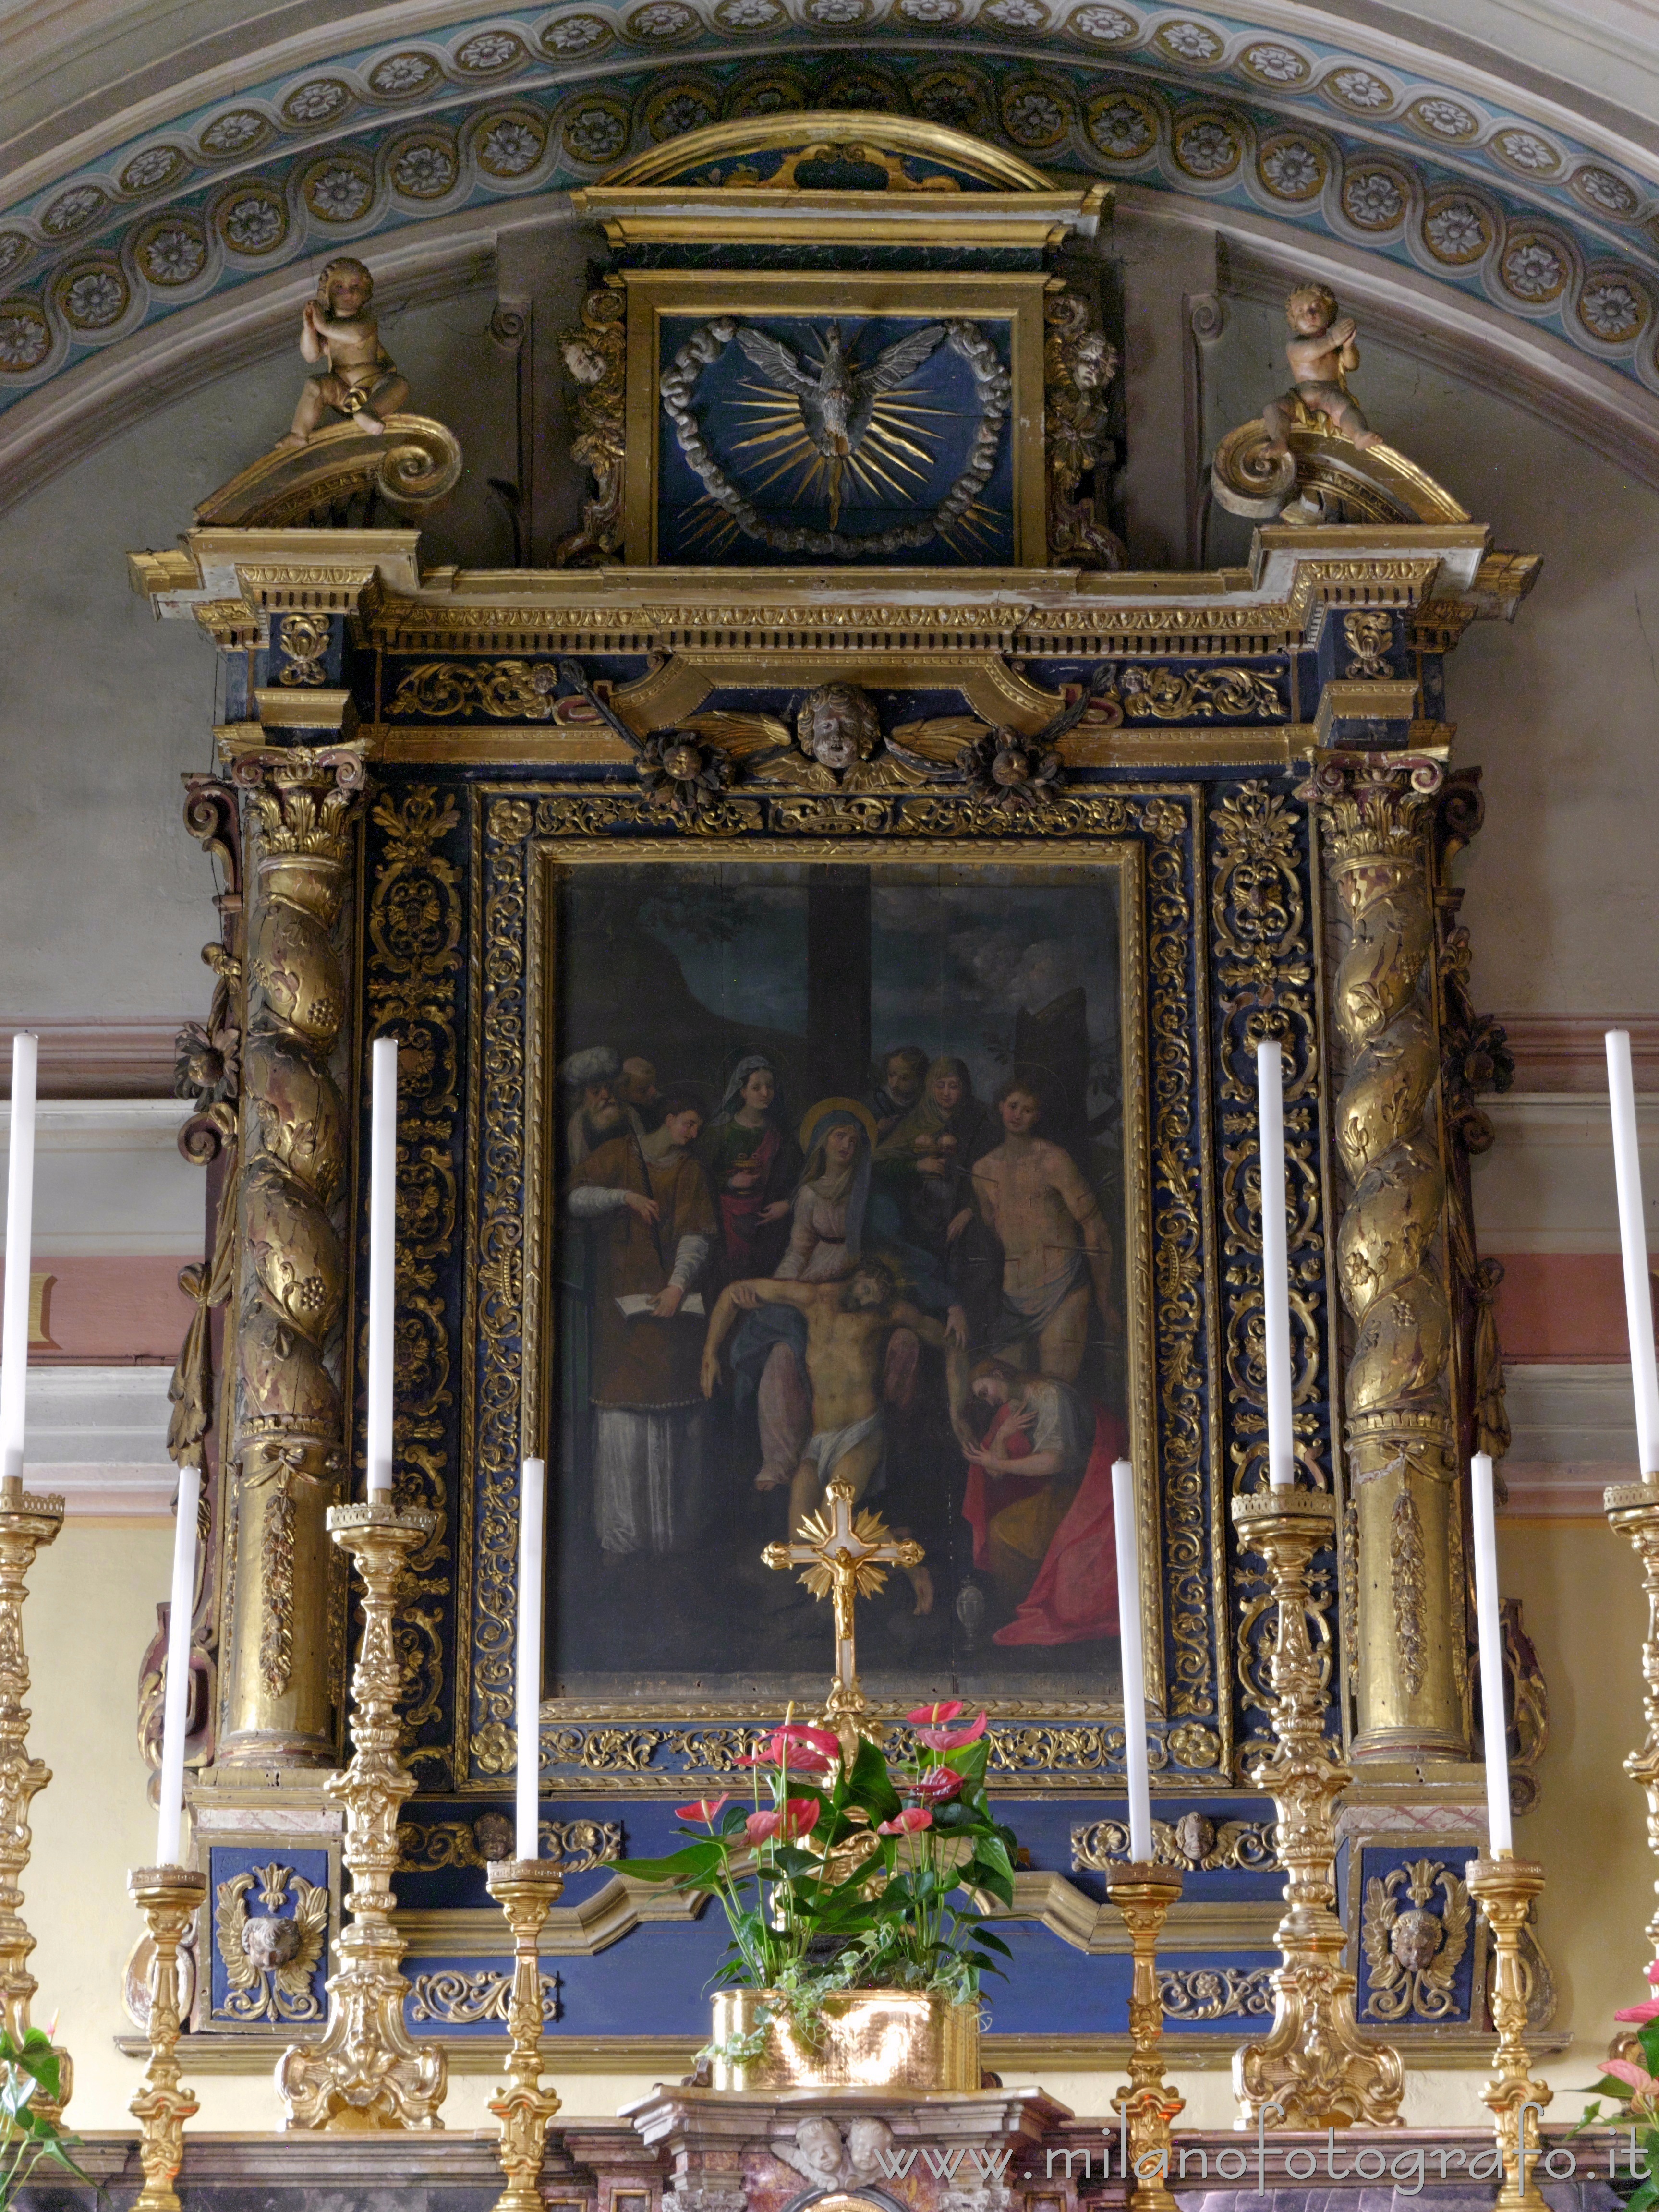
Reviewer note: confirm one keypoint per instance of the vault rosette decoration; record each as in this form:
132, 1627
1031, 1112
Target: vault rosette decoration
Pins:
867, 440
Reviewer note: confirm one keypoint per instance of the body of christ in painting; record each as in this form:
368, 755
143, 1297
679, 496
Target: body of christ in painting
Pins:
840, 1160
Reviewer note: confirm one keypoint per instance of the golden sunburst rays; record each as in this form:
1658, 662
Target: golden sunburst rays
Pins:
891, 462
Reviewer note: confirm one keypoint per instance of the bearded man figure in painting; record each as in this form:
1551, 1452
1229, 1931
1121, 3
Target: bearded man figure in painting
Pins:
649, 1201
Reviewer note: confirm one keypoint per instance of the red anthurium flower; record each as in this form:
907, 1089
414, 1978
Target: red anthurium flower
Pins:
815, 1739
797, 1816
935, 1786
1638, 2014
909, 1822
934, 1715
945, 1738
706, 1808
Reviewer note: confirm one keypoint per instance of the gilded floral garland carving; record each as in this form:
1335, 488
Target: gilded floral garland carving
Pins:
1264, 972
413, 932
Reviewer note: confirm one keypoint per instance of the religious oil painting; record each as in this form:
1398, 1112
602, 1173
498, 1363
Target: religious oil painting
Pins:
843, 1194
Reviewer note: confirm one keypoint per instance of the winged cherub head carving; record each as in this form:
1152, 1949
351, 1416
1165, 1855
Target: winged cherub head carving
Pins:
837, 726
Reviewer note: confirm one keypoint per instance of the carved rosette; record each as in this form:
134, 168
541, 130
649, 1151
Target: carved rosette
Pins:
1376, 815
290, 1268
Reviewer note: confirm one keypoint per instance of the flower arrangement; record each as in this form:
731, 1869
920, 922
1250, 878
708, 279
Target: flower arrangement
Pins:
852, 1873
1635, 2090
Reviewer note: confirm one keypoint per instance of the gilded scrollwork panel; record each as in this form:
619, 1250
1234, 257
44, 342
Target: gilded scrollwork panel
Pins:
414, 968
1264, 969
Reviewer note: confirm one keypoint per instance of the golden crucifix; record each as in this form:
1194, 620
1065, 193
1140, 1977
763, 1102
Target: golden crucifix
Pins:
845, 1557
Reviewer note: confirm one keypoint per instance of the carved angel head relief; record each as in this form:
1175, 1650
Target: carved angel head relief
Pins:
837, 725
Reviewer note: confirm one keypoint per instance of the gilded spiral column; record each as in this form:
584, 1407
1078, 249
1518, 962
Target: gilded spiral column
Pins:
288, 1436
1405, 1574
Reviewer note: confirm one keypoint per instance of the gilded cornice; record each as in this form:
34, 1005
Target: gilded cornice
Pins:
1445, 574
1504, 205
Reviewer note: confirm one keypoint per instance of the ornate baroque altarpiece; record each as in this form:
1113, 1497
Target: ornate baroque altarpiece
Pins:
839, 834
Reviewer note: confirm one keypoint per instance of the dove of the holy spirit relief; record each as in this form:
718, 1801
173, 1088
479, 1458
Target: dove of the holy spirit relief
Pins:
841, 416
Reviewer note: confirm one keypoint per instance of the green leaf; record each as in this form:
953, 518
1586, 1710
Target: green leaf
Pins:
698, 1866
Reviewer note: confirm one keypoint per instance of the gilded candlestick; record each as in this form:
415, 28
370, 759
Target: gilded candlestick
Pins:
527, 1890
1505, 1887
367, 2072
169, 1898
1313, 2069
1143, 1893
1633, 1508
28, 1525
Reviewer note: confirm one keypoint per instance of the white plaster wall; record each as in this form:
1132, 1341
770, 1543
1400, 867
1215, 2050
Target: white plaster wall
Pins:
1558, 708
104, 899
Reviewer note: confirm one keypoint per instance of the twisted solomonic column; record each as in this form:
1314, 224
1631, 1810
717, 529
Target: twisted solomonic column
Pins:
289, 1428
1403, 1554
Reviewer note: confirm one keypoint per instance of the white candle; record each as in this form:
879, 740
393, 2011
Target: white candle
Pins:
175, 1702
382, 1260
1133, 1662
1275, 1265
1489, 1619
1633, 1243
532, 1496
19, 1211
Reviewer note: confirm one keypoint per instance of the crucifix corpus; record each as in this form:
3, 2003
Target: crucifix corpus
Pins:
844, 1557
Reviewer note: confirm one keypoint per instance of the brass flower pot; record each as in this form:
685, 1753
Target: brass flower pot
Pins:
900, 2039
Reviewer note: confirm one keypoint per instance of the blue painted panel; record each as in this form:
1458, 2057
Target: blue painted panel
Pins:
270, 1883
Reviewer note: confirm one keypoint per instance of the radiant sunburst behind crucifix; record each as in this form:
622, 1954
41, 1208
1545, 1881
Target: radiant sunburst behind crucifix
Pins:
845, 1557
839, 417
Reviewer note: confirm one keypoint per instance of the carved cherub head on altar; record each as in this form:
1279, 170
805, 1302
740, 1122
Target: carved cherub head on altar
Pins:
338, 328
837, 726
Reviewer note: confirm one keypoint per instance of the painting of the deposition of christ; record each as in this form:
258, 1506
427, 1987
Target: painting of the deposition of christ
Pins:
839, 1166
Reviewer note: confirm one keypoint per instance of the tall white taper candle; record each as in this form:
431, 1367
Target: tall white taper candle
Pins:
175, 1701
382, 1258
1633, 1243
532, 1507
1275, 1265
1489, 1619
20, 1230
1132, 1660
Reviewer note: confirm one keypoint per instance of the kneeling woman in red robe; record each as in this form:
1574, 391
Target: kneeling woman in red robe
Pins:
1039, 1500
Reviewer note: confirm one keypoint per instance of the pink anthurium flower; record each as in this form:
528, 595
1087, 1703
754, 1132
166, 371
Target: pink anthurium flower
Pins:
945, 1738
706, 1809
909, 1823
796, 1816
807, 1750
934, 1715
1643, 2085
1637, 2014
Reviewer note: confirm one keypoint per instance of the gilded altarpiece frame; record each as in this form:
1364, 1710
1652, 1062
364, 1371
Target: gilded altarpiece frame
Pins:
457, 906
